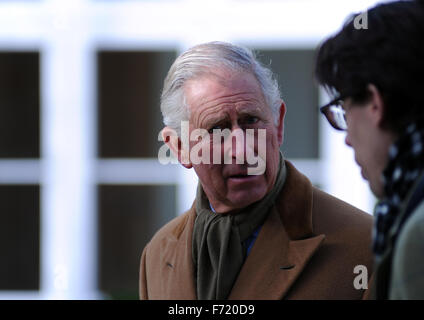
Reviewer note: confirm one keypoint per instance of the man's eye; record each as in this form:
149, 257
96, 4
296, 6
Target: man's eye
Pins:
214, 128
251, 120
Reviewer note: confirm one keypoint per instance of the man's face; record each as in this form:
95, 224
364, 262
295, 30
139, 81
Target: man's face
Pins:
233, 100
369, 142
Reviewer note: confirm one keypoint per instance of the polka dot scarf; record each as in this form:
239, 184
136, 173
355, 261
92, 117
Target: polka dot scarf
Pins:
406, 161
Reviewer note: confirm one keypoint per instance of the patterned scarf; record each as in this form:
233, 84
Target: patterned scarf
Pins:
219, 240
406, 162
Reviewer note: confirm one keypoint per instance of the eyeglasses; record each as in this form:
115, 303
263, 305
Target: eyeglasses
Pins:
335, 113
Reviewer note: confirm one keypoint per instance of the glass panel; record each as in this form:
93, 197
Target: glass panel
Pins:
294, 69
130, 85
19, 237
19, 105
128, 218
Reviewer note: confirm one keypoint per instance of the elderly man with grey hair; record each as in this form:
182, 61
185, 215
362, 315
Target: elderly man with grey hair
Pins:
269, 234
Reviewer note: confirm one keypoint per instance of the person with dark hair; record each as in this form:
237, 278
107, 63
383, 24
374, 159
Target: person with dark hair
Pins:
375, 72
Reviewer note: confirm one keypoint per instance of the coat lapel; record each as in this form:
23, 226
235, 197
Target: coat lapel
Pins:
269, 275
177, 276
283, 248
284, 245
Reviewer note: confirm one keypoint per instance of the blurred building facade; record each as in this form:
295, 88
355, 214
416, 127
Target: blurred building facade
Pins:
81, 189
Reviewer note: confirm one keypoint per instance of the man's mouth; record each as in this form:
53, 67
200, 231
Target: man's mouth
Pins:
239, 176
362, 169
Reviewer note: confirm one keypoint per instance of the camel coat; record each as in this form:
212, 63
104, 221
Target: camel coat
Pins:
307, 248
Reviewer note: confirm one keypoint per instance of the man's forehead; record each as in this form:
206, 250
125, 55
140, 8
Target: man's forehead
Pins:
213, 89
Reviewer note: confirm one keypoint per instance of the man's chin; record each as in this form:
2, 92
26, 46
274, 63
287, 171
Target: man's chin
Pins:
378, 191
243, 181
243, 198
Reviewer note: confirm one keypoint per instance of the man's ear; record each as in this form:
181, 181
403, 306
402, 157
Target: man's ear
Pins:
174, 143
280, 126
376, 105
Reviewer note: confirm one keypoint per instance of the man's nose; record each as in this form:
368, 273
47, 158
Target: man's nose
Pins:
238, 144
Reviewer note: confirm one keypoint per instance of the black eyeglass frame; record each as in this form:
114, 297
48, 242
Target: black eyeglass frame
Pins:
325, 110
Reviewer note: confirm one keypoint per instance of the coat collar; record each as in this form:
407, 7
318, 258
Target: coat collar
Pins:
288, 229
269, 276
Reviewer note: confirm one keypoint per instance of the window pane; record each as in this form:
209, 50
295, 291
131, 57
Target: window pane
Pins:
128, 218
130, 85
19, 105
294, 69
19, 237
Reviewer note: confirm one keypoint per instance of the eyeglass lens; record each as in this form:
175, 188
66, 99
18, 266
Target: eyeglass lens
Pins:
338, 118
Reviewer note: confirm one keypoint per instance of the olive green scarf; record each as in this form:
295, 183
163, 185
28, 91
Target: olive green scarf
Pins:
219, 240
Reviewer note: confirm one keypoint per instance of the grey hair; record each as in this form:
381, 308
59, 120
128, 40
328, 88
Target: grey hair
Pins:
201, 59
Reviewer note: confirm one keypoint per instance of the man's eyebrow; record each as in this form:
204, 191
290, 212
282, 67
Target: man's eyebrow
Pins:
245, 110
214, 120
249, 110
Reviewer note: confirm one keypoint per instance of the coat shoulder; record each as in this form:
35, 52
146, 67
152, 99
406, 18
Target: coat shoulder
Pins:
407, 279
332, 215
347, 244
173, 228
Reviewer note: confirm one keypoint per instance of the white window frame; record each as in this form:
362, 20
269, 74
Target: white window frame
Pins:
67, 34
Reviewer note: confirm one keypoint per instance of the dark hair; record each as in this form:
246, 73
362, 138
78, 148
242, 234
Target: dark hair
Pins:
389, 53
